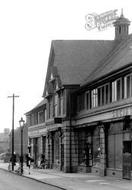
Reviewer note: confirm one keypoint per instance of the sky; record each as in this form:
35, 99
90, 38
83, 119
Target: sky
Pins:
27, 28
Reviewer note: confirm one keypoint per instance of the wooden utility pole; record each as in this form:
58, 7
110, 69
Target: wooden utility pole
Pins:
13, 110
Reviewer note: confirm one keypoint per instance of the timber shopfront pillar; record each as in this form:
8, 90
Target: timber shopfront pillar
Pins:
102, 151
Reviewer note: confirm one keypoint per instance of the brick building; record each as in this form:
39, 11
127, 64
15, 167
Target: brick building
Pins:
87, 106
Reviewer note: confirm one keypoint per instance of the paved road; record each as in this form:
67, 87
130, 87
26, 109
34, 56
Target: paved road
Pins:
9, 181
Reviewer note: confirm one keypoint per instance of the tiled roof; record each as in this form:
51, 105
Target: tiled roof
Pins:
76, 59
121, 56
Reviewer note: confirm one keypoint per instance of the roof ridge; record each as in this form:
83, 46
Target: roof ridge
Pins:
79, 40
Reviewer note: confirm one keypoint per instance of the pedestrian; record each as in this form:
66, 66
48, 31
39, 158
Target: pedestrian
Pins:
28, 162
42, 163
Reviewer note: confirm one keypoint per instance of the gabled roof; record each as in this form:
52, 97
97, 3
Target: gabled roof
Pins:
121, 56
74, 60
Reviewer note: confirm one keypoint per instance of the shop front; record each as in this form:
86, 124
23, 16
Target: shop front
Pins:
105, 148
55, 149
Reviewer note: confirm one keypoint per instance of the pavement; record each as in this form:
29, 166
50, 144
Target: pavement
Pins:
73, 181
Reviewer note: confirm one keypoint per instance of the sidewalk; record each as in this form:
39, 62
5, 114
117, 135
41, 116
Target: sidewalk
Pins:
74, 181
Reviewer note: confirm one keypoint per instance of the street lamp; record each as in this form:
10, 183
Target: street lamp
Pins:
21, 122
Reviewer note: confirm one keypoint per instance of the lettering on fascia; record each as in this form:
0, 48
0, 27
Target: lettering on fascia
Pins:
121, 112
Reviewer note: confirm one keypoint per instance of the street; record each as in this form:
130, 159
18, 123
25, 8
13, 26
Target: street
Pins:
69, 181
9, 181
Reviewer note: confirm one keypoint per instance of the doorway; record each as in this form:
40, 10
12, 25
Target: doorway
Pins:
127, 145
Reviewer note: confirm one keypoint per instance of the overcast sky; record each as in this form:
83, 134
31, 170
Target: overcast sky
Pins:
26, 30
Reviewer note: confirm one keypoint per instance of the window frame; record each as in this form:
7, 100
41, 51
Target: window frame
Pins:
126, 87
94, 98
102, 103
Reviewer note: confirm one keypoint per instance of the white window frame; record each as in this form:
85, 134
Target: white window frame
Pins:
94, 98
114, 91
100, 87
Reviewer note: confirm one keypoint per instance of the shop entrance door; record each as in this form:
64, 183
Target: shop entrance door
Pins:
127, 160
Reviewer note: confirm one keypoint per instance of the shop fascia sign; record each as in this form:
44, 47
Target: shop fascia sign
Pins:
121, 112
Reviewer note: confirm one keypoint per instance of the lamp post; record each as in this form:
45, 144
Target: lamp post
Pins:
21, 122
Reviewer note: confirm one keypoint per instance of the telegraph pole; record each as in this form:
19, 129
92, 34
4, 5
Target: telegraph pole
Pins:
13, 110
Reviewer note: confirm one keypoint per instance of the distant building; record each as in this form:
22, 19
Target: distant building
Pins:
84, 123
4, 140
17, 141
37, 131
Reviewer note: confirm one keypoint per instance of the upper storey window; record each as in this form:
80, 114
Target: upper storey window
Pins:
117, 90
103, 95
110, 92
41, 116
61, 103
94, 98
56, 105
128, 86
50, 107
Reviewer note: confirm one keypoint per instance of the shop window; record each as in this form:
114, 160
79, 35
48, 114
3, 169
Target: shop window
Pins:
84, 149
96, 147
56, 147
